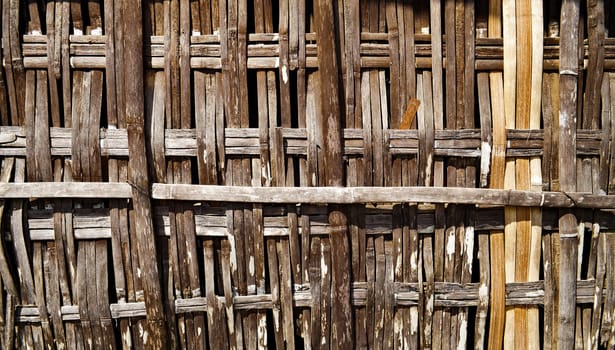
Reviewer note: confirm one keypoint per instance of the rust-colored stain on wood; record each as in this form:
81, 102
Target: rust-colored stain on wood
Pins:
410, 114
209, 174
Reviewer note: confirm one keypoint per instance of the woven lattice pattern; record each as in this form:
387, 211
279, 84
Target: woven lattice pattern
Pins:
307, 174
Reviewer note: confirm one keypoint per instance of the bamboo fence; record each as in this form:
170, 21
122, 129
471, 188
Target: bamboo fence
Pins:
192, 174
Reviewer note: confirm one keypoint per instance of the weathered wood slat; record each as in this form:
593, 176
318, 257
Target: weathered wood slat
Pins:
137, 164
184, 143
380, 195
406, 294
567, 139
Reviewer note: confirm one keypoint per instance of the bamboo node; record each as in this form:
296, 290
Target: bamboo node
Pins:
570, 72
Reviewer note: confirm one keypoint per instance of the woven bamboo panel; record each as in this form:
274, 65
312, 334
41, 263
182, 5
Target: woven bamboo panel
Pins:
307, 174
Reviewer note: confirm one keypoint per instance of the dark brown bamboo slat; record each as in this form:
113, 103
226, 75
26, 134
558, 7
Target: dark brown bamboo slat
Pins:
138, 170
567, 139
330, 123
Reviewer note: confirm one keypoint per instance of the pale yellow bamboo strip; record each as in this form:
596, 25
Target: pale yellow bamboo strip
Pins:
509, 29
533, 321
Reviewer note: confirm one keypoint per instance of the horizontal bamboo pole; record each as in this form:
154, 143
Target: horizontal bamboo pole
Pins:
313, 195
351, 195
98, 190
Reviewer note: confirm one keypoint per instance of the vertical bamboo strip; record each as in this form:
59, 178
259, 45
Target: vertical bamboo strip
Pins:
536, 180
510, 80
522, 170
607, 329
26, 281
4, 97
315, 274
15, 70
438, 117
138, 166
497, 244
330, 122
567, 145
